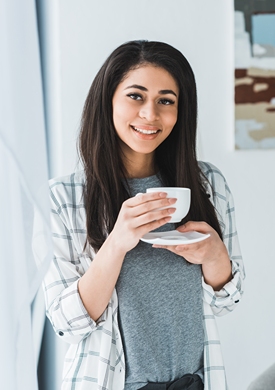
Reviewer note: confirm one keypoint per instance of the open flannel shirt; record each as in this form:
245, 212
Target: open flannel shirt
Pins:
95, 359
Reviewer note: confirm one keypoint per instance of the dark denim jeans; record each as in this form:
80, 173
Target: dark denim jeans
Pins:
187, 382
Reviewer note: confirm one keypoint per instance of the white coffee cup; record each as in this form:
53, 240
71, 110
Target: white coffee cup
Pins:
182, 204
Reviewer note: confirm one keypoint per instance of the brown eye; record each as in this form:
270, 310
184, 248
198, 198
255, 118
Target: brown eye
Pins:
166, 102
135, 96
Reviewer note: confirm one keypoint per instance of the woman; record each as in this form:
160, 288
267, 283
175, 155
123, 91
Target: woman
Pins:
141, 316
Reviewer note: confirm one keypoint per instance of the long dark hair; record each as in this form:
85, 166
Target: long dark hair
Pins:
99, 148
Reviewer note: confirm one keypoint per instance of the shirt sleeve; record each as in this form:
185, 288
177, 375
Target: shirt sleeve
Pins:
64, 307
229, 296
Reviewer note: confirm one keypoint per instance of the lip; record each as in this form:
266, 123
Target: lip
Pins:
146, 137
146, 127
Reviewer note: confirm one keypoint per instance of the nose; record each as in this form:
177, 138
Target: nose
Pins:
149, 111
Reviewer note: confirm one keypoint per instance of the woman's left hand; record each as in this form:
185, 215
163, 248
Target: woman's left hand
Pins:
209, 250
211, 253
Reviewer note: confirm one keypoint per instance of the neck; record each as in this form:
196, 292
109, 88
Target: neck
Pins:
140, 167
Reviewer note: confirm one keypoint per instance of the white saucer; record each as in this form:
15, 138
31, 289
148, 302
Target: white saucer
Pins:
174, 237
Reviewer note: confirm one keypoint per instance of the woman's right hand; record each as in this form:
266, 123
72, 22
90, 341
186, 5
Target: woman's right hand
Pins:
138, 216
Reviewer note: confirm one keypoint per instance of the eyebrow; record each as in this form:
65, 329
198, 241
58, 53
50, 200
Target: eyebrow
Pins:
162, 91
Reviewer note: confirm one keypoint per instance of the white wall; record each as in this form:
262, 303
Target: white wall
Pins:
203, 31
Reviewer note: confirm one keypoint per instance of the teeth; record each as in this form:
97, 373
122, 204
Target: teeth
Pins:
145, 131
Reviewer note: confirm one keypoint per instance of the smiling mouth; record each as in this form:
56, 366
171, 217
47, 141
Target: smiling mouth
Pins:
143, 131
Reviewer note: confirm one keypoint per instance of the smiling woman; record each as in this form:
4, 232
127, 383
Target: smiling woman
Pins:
139, 316
145, 108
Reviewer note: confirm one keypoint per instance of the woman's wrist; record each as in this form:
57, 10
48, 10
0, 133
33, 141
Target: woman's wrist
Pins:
218, 272
115, 245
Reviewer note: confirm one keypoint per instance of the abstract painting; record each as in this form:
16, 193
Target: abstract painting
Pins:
254, 74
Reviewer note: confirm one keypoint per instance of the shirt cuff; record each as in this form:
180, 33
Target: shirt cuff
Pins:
229, 295
70, 317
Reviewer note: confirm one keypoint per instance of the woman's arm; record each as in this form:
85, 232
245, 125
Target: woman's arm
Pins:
222, 265
78, 290
137, 216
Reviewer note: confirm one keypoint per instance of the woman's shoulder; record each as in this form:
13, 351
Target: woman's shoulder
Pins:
74, 179
214, 181
211, 173
208, 169
67, 189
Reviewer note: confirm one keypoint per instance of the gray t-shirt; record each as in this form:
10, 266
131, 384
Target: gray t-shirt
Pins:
160, 310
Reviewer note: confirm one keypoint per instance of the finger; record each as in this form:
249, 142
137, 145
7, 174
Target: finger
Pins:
201, 227
144, 229
154, 205
143, 198
168, 247
178, 248
153, 216
185, 248
173, 248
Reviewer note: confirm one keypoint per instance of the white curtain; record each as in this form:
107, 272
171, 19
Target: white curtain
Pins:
24, 175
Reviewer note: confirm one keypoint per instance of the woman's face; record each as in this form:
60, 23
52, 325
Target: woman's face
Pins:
145, 109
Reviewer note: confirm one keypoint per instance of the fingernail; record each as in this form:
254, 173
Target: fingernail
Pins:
172, 200
162, 194
171, 210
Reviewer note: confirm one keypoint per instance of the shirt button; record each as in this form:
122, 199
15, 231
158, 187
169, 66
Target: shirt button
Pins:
61, 333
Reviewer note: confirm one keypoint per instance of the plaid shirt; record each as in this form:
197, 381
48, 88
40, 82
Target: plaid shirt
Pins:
95, 359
